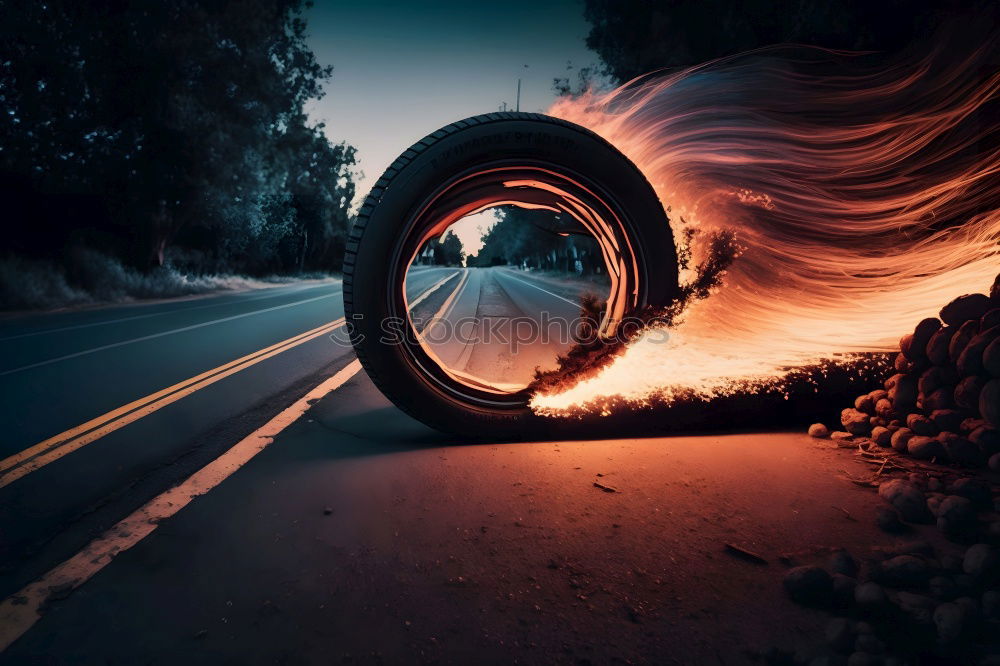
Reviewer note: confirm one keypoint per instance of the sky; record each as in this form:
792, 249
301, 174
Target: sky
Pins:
404, 69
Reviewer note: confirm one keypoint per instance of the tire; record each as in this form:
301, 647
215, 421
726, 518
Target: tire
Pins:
480, 152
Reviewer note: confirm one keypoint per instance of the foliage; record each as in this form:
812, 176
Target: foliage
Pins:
158, 129
444, 251
534, 239
635, 37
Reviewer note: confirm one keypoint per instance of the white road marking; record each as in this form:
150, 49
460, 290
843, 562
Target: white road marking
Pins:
434, 287
574, 304
163, 333
20, 611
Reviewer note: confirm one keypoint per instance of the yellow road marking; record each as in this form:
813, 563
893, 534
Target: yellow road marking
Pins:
53, 448
20, 611
434, 287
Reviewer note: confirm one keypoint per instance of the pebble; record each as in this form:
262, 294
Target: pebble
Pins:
907, 499
843, 590
949, 619
870, 596
924, 448
819, 431
989, 402
964, 308
943, 588
918, 607
903, 571
809, 585
921, 425
888, 521
959, 450
841, 436
840, 634
900, 439
976, 491
882, 436
982, 563
956, 516
991, 605
855, 422
947, 419
987, 439
841, 562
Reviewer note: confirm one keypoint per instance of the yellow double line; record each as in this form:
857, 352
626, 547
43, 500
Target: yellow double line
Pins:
53, 448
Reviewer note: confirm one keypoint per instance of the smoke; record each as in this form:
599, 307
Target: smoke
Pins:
863, 197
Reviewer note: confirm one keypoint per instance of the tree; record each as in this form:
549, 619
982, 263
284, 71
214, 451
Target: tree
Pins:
635, 37
180, 122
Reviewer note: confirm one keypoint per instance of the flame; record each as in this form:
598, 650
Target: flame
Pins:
865, 199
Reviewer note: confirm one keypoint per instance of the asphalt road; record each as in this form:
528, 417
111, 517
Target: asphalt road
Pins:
102, 413
249, 522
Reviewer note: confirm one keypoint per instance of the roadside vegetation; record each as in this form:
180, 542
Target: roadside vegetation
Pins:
157, 149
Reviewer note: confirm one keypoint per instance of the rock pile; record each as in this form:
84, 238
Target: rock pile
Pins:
943, 402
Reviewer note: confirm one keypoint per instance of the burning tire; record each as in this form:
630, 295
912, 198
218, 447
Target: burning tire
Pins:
521, 159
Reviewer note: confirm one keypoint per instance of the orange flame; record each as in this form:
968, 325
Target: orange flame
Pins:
865, 201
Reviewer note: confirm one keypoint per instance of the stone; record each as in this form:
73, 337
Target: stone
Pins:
900, 438
870, 597
921, 425
892, 381
925, 448
959, 450
937, 347
990, 319
917, 606
841, 562
855, 422
956, 517
975, 490
888, 521
881, 436
990, 605
989, 402
809, 585
943, 588
949, 619
902, 364
843, 590
878, 394
840, 634
903, 571
970, 361
863, 659
903, 393
987, 438
970, 424
965, 332
991, 358
982, 563
922, 335
964, 308
947, 419
864, 403
942, 398
884, 408
868, 643
841, 436
819, 431
932, 379
995, 290
994, 463
907, 499
967, 391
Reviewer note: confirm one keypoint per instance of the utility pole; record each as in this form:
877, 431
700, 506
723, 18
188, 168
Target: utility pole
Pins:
518, 108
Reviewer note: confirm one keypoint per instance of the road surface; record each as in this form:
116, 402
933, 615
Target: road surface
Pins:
287, 513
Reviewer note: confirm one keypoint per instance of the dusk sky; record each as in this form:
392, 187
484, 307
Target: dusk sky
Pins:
404, 69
